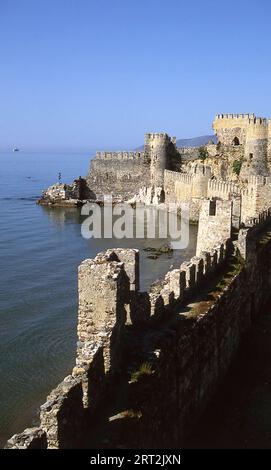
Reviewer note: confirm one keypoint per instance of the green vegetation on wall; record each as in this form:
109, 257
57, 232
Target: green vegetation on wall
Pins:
203, 153
236, 166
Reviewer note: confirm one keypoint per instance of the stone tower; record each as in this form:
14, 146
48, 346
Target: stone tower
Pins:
215, 222
256, 148
156, 148
252, 134
231, 129
201, 175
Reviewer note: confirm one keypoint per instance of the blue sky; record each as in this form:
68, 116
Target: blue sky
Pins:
84, 74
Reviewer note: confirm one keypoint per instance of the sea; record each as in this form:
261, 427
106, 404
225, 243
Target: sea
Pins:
40, 251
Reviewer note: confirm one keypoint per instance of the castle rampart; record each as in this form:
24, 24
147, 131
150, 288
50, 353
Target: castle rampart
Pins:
182, 187
244, 141
123, 173
215, 224
120, 177
119, 155
190, 352
222, 189
188, 365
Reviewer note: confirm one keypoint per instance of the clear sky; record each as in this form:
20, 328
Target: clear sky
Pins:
100, 73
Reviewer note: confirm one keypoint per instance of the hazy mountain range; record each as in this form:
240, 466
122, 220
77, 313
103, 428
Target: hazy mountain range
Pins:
196, 141
193, 142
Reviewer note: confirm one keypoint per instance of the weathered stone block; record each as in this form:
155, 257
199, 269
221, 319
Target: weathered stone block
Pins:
62, 416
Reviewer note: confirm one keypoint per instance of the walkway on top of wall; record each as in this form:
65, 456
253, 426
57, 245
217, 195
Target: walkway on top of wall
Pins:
239, 416
116, 422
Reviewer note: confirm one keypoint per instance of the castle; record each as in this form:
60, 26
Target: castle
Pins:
253, 134
147, 363
162, 172
236, 168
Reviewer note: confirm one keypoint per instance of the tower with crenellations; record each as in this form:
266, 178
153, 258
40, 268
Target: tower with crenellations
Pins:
250, 132
157, 148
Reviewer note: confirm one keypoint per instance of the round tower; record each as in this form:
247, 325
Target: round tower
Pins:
256, 148
201, 175
156, 147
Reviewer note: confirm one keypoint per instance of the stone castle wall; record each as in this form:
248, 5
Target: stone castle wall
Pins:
180, 187
222, 189
191, 352
121, 177
123, 174
248, 200
243, 139
119, 155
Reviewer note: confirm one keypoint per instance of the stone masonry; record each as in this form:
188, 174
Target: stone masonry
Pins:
117, 323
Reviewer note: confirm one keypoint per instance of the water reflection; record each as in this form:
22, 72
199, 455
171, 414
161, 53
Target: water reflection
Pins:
151, 268
60, 216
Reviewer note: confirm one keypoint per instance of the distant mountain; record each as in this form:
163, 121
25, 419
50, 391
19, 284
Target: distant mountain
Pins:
193, 142
196, 141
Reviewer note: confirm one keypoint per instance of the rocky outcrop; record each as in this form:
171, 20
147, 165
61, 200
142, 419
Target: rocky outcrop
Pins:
61, 194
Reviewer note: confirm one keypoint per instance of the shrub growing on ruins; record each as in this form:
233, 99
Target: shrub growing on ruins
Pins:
203, 153
145, 369
237, 164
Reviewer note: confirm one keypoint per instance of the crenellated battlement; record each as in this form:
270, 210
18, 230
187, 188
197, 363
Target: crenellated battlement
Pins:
201, 170
239, 121
258, 121
242, 121
221, 188
181, 187
123, 155
257, 129
157, 136
176, 176
259, 180
245, 117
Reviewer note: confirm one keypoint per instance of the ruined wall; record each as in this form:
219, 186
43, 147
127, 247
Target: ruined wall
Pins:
180, 187
188, 154
66, 194
215, 222
121, 177
105, 290
256, 197
172, 178
222, 189
198, 355
189, 340
188, 187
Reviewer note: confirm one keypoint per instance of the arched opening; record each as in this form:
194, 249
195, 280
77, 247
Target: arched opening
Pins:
235, 141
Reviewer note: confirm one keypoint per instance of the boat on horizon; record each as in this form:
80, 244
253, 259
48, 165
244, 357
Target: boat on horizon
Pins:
15, 149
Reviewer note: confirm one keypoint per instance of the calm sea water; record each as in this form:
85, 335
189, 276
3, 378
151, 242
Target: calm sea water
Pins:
40, 250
